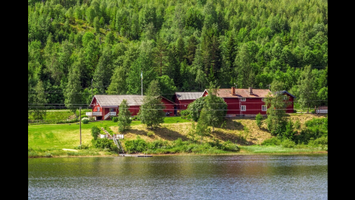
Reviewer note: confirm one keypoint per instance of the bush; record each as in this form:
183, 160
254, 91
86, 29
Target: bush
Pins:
95, 131
321, 142
259, 119
288, 143
104, 144
185, 114
115, 119
229, 146
137, 145
271, 141
85, 121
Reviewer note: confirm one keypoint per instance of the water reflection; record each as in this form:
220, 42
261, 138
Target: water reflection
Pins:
179, 177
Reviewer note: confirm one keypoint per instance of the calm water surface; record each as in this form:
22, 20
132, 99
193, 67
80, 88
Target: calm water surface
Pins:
180, 177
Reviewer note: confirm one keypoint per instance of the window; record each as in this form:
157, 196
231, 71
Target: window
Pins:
243, 107
242, 99
285, 97
263, 108
112, 110
98, 109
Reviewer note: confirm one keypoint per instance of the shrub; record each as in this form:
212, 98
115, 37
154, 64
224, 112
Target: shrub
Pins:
185, 114
114, 119
288, 143
271, 141
321, 142
259, 119
229, 146
95, 131
85, 121
137, 145
104, 143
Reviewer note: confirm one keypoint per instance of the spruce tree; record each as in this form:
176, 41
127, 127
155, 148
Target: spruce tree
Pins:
72, 91
39, 101
215, 108
276, 109
124, 116
151, 112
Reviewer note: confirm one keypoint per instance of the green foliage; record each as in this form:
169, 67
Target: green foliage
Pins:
249, 43
85, 121
95, 131
271, 142
276, 114
134, 146
124, 116
259, 119
108, 130
115, 119
151, 112
321, 142
215, 109
194, 108
185, 114
288, 143
105, 143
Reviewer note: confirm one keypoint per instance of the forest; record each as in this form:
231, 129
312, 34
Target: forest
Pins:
79, 48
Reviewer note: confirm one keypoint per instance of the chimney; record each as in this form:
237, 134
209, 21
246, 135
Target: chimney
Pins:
233, 91
250, 90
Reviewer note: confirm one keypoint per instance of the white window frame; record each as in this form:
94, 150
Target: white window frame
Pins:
285, 97
263, 108
98, 109
243, 106
242, 99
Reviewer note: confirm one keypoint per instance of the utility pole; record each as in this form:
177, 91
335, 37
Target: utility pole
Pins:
91, 99
141, 83
80, 123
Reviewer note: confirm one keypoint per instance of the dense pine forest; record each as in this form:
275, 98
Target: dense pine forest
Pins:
79, 48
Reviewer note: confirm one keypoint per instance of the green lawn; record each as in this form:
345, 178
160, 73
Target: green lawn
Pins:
174, 120
275, 149
59, 136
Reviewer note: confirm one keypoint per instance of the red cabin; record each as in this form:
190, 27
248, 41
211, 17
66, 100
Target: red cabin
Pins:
106, 106
248, 101
183, 99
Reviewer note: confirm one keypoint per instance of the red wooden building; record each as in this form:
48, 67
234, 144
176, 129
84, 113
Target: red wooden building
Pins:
248, 101
183, 99
106, 106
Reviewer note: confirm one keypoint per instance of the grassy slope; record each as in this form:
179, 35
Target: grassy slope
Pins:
59, 136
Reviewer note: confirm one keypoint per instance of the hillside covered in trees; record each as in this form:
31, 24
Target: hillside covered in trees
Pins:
74, 45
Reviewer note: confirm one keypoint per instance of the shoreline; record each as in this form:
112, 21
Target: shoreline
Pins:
192, 154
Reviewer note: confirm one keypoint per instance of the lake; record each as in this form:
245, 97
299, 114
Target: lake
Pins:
180, 177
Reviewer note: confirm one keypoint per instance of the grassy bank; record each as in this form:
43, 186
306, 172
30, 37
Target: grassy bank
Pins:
50, 139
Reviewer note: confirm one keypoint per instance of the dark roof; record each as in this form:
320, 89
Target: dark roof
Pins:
188, 95
284, 91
